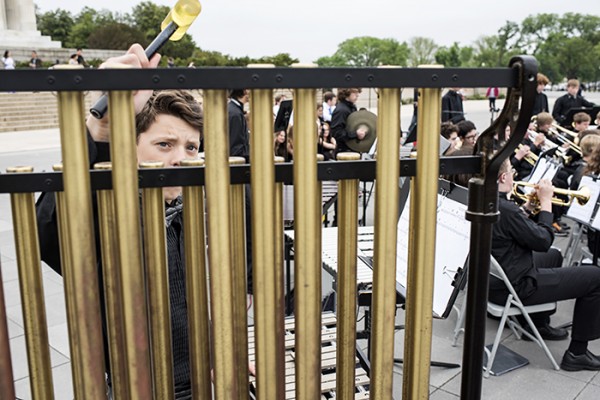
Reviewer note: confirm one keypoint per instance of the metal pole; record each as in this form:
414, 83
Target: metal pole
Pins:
386, 218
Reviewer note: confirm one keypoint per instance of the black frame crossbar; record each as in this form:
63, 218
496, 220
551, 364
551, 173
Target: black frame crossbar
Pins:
190, 176
253, 78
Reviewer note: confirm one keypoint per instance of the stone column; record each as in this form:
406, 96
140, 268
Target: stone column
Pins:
20, 15
3, 25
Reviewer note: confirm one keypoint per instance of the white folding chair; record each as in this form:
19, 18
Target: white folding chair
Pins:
507, 313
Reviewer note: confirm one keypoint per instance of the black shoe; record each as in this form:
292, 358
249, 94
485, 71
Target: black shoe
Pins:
548, 332
564, 225
558, 231
587, 361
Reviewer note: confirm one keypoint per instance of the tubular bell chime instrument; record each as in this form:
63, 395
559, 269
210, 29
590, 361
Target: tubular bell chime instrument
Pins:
133, 253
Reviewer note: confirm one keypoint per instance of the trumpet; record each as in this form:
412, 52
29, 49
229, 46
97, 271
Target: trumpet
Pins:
548, 145
582, 195
530, 157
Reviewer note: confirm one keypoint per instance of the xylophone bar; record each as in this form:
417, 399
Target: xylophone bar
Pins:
328, 360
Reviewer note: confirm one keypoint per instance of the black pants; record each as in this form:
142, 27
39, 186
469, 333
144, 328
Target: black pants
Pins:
555, 284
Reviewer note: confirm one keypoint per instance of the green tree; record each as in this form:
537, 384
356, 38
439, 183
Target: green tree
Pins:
449, 56
367, 51
280, 60
86, 22
57, 24
421, 51
114, 36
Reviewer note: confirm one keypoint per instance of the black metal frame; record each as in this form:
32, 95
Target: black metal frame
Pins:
189, 176
519, 77
253, 78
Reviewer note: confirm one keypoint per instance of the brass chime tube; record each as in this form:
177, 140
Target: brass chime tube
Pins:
346, 304
270, 360
386, 218
238, 258
279, 260
196, 285
219, 253
32, 291
157, 278
419, 296
7, 386
67, 267
81, 272
127, 207
307, 266
112, 288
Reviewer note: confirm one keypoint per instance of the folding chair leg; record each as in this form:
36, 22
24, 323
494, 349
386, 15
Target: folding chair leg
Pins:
492, 355
540, 341
460, 322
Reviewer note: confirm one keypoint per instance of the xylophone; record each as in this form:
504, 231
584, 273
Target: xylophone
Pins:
328, 361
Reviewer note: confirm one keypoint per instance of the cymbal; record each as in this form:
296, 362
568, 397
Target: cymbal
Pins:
354, 121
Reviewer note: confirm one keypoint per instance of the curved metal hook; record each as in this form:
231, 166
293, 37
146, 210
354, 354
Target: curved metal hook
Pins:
516, 113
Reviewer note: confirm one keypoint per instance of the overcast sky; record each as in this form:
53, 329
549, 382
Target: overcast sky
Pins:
310, 29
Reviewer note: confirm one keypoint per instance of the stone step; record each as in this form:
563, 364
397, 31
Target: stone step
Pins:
28, 127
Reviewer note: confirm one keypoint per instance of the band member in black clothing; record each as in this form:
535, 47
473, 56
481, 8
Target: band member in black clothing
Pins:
522, 247
541, 100
452, 106
345, 106
568, 101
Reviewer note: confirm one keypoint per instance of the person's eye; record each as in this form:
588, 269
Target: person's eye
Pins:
163, 144
192, 147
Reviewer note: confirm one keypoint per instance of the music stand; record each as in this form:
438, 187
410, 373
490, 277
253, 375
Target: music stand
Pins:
282, 119
591, 111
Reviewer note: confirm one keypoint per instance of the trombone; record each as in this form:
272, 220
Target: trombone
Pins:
562, 133
581, 195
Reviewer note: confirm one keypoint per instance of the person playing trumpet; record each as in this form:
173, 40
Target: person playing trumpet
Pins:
523, 249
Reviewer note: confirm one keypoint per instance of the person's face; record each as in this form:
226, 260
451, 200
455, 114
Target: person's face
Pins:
320, 111
353, 97
246, 97
544, 128
506, 180
540, 87
582, 126
281, 137
33, 55
470, 137
325, 130
572, 90
170, 140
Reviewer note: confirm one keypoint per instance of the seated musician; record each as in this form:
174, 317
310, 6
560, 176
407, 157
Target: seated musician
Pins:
522, 247
589, 143
581, 122
568, 101
169, 129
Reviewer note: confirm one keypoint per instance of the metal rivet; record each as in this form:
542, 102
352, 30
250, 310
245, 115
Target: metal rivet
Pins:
161, 178
434, 77
454, 78
255, 78
156, 79
348, 77
78, 79
51, 80
278, 78
371, 78
181, 79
